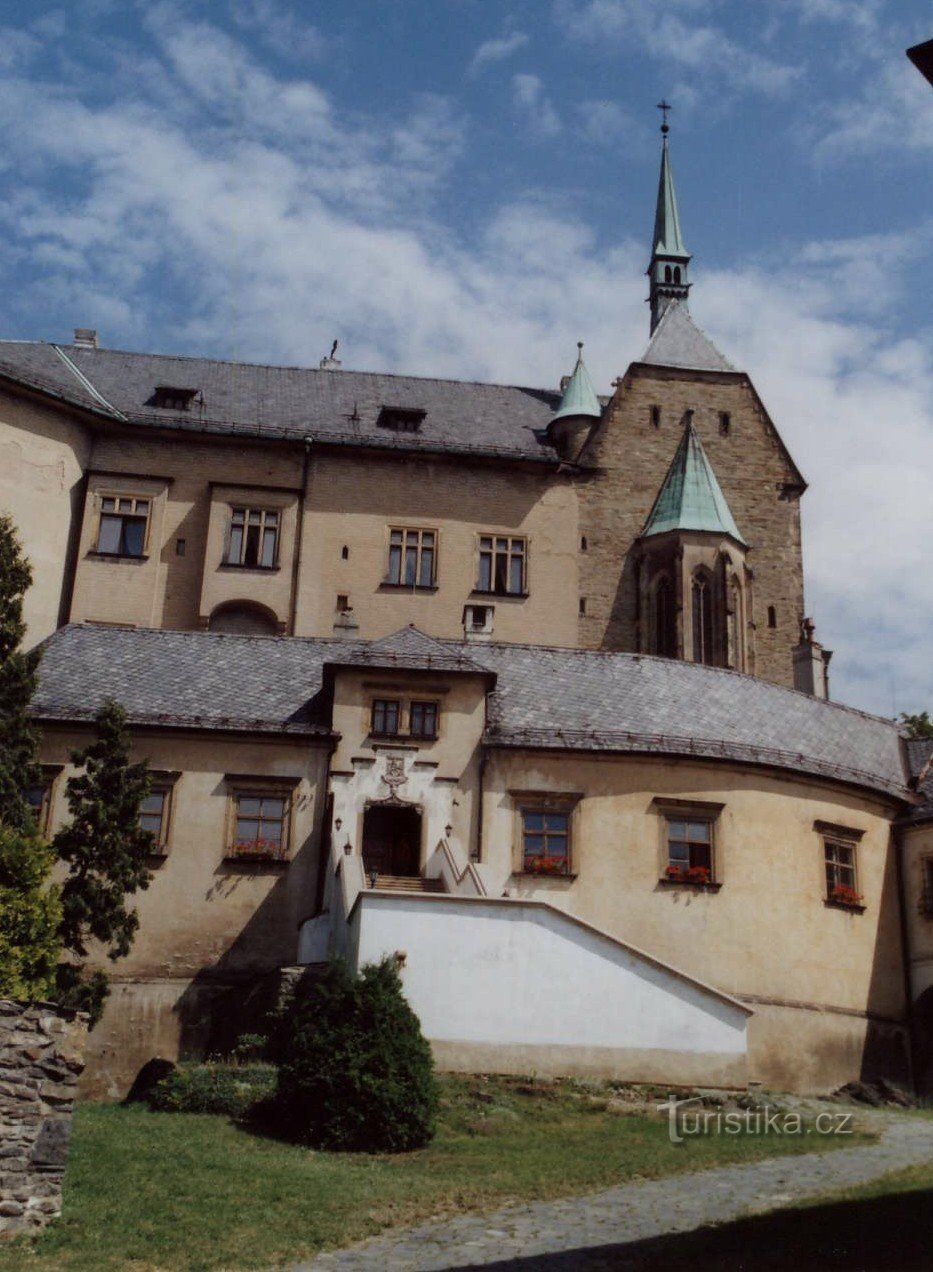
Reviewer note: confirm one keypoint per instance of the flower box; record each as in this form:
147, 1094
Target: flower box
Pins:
843, 895
545, 865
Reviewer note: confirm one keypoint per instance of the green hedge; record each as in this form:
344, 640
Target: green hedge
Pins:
231, 1090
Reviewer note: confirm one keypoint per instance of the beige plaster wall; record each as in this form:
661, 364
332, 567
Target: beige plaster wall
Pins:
354, 500
43, 453
766, 935
206, 924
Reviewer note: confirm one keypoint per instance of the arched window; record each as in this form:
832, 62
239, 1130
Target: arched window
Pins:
243, 618
676, 273
665, 642
667, 273
702, 597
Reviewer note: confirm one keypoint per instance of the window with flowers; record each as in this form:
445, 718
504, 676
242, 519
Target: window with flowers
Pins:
260, 814
840, 865
545, 825
688, 842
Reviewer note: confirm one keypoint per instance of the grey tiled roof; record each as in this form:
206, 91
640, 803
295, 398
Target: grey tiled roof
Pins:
544, 697
194, 679
920, 759
411, 649
679, 342
592, 701
338, 407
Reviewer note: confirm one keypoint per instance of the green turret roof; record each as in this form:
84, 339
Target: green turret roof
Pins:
579, 396
691, 497
667, 237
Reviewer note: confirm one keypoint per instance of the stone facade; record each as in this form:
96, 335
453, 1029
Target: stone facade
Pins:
41, 1058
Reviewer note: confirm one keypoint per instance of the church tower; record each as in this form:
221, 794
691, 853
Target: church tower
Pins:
667, 273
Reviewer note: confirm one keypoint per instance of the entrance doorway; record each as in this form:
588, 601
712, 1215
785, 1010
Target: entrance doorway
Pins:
392, 840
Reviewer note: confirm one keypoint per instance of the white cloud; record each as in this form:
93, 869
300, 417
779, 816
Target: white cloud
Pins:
243, 215
605, 123
491, 51
673, 32
534, 106
280, 29
893, 108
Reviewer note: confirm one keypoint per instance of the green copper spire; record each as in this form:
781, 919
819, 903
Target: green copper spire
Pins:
669, 257
690, 497
579, 396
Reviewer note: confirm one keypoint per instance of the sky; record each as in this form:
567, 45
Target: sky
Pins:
465, 188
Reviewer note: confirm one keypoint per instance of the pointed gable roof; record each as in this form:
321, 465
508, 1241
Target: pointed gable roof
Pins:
668, 240
690, 497
409, 649
579, 396
679, 342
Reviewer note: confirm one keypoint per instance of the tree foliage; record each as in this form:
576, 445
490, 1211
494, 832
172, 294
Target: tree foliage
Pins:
104, 847
30, 911
917, 726
355, 1070
19, 740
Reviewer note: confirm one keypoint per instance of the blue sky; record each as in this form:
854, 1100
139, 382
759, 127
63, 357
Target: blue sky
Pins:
466, 187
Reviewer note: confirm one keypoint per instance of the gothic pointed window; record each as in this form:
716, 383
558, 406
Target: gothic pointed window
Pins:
664, 642
667, 273
702, 597
676, 273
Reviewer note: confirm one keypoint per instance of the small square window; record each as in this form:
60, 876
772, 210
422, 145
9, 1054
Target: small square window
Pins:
689, 848
422, 720
385, 718
545, 841
254, 538
123, 526
260, 824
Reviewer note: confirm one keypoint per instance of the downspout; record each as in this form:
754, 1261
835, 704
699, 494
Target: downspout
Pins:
899, 870
299, 534
478, 855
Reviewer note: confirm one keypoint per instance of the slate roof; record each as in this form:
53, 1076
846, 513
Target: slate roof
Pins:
679, 342
338, 407
411, 650
544, 697
690, 497
920, 760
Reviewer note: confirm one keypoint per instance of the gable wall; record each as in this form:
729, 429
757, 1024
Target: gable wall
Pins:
636, 456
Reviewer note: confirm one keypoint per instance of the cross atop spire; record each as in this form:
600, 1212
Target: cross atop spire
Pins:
669, 257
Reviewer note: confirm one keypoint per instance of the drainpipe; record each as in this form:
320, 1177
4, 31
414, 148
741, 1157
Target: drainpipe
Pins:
299, 533
478, 855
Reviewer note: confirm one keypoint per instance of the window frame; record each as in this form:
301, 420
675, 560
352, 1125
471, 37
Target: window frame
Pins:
46, 784
510, 554
841, 894
673, 812
431, 705
259, 788
420, 549
123, 515
247, 511
374, 712
164, 781
546, 804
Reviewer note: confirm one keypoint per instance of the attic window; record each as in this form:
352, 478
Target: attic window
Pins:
169, 398
401, 419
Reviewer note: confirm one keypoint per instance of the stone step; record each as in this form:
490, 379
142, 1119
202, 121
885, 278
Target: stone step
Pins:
407, 883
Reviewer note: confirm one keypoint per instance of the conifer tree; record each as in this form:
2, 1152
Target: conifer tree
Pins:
19, 742
30, 912
104, 847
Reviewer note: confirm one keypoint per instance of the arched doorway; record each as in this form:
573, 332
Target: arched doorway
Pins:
392, 840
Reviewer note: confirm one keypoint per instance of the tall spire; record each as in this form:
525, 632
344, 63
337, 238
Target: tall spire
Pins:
667, 272
579, 395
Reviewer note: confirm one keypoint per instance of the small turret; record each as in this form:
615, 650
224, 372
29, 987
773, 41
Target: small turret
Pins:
667, 273
572, 421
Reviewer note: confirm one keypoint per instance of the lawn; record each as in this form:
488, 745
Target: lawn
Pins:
163, 1191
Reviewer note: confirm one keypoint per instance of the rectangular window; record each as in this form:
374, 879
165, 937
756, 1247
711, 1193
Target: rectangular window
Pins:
124, 521
260, 824
385, 718
502, 566
422, 720
689, 850
153, 815
39, 798
412, 557
254, 538
545, 842
841, 877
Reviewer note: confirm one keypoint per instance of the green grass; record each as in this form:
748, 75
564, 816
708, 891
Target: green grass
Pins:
147, 1191
885, 1226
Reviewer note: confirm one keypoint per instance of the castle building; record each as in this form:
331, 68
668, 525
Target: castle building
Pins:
513, 684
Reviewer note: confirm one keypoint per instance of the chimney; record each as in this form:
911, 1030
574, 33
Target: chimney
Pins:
85, 338
811, 663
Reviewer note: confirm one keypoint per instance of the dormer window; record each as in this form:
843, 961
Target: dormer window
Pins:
401, 419
169, 398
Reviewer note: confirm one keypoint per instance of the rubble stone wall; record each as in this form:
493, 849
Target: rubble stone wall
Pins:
41, 1058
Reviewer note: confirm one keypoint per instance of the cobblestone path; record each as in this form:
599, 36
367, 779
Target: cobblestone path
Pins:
569, 1232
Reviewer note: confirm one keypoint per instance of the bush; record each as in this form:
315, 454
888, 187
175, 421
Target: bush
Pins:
29, 916
356, 1072
230, 1090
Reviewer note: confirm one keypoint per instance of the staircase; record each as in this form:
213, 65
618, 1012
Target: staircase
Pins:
405, 883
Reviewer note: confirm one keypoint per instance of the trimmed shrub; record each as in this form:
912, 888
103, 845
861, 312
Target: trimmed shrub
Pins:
356, 1074
230, 1090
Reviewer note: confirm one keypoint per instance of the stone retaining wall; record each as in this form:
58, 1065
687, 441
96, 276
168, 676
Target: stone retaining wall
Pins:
41, 1057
